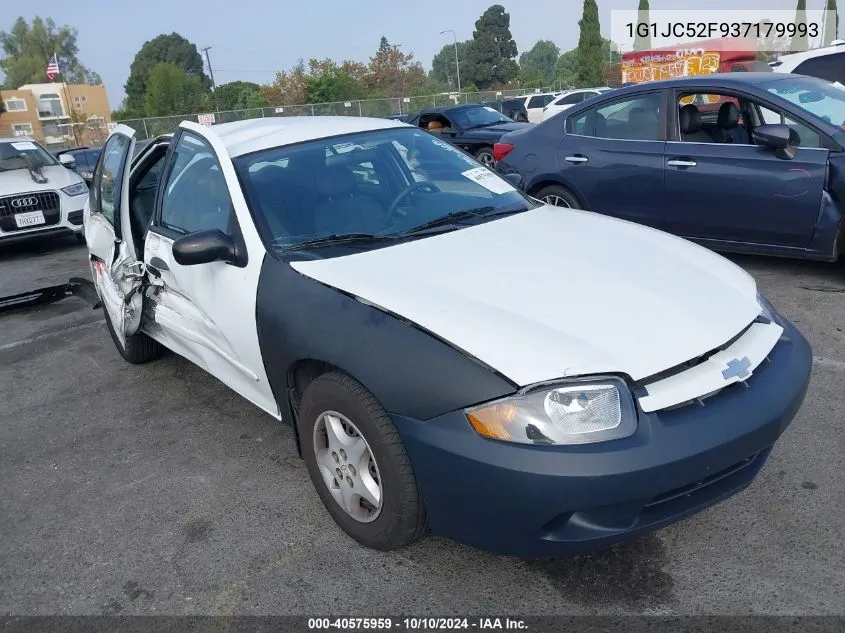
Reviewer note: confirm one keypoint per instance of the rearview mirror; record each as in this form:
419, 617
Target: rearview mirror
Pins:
204, 247
778, 137
67, 161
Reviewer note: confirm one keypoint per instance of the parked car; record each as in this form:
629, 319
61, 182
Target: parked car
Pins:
827, 62
80, 159
514, 109
571, 98
472, 128
743, 162
534, 104
417, 334
396, 117
38, 196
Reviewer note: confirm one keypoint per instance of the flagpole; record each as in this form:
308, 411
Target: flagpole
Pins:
67, 96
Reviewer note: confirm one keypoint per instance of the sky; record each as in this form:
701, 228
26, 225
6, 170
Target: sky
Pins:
251, 39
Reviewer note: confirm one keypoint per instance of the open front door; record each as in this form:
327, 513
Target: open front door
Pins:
116, 272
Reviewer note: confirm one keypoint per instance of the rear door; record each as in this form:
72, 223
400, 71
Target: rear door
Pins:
611, 157
206, 312
116, 272
741, 192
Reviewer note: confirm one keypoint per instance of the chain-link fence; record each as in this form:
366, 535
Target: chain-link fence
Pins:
155, 126
61, 136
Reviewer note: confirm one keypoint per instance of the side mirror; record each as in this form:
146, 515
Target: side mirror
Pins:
67, 161
778, 137
513, 178
204, 247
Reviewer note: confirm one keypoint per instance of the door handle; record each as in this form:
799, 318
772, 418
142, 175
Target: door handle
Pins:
681, 163
576, 159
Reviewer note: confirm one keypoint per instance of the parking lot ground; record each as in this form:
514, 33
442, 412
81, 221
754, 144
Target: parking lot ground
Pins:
154, 489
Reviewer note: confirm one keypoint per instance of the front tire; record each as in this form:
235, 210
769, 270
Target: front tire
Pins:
358, 464
558, 196
139, 349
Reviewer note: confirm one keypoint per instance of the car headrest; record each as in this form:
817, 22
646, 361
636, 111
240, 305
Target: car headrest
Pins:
729, 115
336, 181
690, 119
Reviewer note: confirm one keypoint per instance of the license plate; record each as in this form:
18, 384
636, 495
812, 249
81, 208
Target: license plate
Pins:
31, 218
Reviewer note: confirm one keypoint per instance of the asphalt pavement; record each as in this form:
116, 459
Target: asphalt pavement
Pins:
155, 489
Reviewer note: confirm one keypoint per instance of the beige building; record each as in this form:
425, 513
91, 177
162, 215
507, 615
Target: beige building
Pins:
56, 114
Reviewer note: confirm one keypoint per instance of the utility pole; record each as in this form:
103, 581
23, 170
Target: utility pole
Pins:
211, 74
457, 62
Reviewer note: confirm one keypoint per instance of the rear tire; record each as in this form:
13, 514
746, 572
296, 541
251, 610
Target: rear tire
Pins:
338, 412
485, 157
140, 348
558, 196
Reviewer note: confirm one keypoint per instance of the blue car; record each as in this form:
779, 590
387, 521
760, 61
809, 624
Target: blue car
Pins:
738, 162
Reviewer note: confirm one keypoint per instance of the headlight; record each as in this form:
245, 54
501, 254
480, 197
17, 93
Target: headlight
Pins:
766, 309
574, 412
76, 190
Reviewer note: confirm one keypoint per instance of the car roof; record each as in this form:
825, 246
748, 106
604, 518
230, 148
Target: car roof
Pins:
252, 135
791, 60
714, 80
452, 108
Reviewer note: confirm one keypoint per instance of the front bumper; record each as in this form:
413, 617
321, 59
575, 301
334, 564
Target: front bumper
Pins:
556, 501
64, 221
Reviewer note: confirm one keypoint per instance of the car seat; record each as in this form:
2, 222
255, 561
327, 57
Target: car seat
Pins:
689, 118
341, 210
727, 128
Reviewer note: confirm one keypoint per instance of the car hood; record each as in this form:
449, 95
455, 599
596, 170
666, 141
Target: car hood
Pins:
551, 293
20, 181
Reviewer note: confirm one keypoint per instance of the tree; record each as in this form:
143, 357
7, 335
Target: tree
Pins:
27, 49
540, 61
170, 90
590, 53
566, 69
239, 95
289, 87
642, 43
831, 25
443, 64
329, 82
491, 53
392, 73
172, 48
799, 42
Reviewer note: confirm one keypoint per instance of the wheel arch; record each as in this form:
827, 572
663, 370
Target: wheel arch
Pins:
548, 180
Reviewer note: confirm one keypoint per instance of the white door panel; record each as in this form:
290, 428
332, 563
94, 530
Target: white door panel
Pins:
115, 271
206, 312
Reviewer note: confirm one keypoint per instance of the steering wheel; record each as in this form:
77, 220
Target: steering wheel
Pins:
417, 186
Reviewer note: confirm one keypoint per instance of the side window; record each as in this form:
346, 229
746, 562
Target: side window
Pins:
581, 124
547, 99
830, 67
109, 175
577, 97
635, 118
807, 137
196, 197
536, 102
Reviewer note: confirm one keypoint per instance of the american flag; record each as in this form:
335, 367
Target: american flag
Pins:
53, 68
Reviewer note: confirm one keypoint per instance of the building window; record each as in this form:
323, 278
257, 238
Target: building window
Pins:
50, 105
22, 129
15, 105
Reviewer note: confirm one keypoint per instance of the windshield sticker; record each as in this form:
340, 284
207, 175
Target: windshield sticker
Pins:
454, 150
488, 180
24, 145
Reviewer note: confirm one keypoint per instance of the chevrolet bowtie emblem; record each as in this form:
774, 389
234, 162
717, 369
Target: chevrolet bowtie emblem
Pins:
737, 368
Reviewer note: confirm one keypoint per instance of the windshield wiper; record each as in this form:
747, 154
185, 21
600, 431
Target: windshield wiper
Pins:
339, 238
463, 214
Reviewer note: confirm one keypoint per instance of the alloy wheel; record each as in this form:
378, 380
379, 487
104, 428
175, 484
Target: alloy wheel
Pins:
348, 466
556, 201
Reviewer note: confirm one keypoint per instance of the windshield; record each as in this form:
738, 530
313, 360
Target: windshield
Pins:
13, 155
468, 118
824, 99
380, 183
